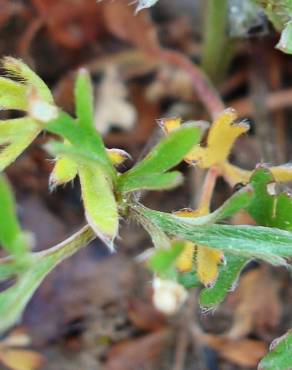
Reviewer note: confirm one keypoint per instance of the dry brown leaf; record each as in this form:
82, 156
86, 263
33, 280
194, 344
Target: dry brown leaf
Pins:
138, 30
133, 354
144, 316
243, 352
258, 306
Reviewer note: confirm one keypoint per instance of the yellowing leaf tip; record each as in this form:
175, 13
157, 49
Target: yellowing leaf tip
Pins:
118, 156
169, 124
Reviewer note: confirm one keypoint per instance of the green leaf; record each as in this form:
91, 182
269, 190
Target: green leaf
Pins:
269, 210
280, 357
14, 129
285, 43
9, 153
211, 297
167, 154
14, 299
64, 171
269, 244
99, 202
164, 259
78, 154
11, 236
16, 68
80, 137
13, 95
154, 181
84, 99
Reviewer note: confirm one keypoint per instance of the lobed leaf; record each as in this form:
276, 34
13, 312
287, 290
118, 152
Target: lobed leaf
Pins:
222, 135
82, 139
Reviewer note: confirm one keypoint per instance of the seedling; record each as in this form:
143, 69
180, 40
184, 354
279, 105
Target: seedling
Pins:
192, 247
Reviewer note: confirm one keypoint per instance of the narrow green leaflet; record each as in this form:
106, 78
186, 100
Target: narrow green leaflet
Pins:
153, 181
101, 209
280, 357
11, 236
163, 259
269, 210
14, 299
167, 154
229, 273
84, 99
269, 244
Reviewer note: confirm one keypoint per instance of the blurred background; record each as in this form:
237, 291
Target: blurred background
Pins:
95, 311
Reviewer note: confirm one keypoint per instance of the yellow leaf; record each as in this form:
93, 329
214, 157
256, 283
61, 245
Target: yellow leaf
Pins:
233, 174
207, 262
185, 260
221, 138
118, 156
282, 173
170, 124
207, 259
65, 170
17, 359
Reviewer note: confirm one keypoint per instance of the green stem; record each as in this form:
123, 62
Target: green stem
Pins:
215, 51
